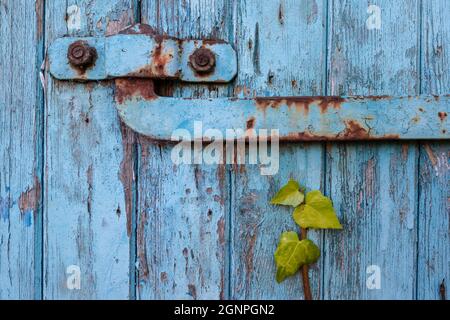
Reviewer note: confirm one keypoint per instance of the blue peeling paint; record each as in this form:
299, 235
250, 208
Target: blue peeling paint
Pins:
27, 218
4, 208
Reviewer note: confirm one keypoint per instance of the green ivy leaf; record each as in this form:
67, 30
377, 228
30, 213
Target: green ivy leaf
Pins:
317, 213
289, 195
292, 254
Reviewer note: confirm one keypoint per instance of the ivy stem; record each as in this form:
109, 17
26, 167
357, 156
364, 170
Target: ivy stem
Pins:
305, 271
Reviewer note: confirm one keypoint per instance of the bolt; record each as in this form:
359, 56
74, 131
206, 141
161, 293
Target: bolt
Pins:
203, 60
81, 55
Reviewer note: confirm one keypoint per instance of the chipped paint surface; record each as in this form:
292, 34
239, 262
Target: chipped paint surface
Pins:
296, 118
29, 202
208, 232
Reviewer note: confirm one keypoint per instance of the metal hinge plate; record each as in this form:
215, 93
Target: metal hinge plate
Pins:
139, 52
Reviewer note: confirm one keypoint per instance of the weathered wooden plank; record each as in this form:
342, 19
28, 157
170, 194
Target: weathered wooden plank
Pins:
21, 54
433, 268
374, 186
183, 209
281, 50
294, 118
88, 168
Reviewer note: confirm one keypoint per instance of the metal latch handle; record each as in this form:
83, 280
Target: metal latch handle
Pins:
318, 118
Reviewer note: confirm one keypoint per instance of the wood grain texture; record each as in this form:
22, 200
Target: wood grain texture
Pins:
281, 50
88, 167
77, 187
21, 50
182, 240
434, 176
373, 185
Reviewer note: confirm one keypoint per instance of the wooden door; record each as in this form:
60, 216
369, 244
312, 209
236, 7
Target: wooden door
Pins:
82, 193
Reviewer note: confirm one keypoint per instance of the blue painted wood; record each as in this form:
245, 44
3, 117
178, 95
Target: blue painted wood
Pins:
21, 51
294, 118
373, 185
140, 53
433, 269
208, 231
89, 168
282, 52
182, 210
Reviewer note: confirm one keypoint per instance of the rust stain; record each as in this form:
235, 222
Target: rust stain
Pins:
327, 102
221, 176
431, 155
160, 60
192, 291
142, 248
39, 7
442, 290
354, 131
128, 88
251, 240
242, 89
211, 42
222, 241
30, 199
139, 29
369, 178
251, 123
442, 115
126, 173
221, 231
163, 277
405, 148
301, 103
115, 26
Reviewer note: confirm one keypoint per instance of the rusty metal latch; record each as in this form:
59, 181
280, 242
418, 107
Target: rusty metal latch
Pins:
138, 55
140, 52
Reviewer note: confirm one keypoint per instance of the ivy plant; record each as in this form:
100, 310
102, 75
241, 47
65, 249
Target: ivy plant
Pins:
313, 211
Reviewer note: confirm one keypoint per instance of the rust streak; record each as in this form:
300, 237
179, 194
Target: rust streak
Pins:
39, 6
355, 131
431, 155
142, 249
301, 103
327, 102
442, 290
251, 123
192, 291
129, 88
221, 234
126, 174
221, 231
30, 199
251, 240
442, 115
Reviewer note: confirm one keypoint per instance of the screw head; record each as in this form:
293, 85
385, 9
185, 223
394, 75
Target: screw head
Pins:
203, 60
81, 55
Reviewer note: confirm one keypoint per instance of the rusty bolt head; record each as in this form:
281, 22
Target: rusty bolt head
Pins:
81, 55
203, 60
